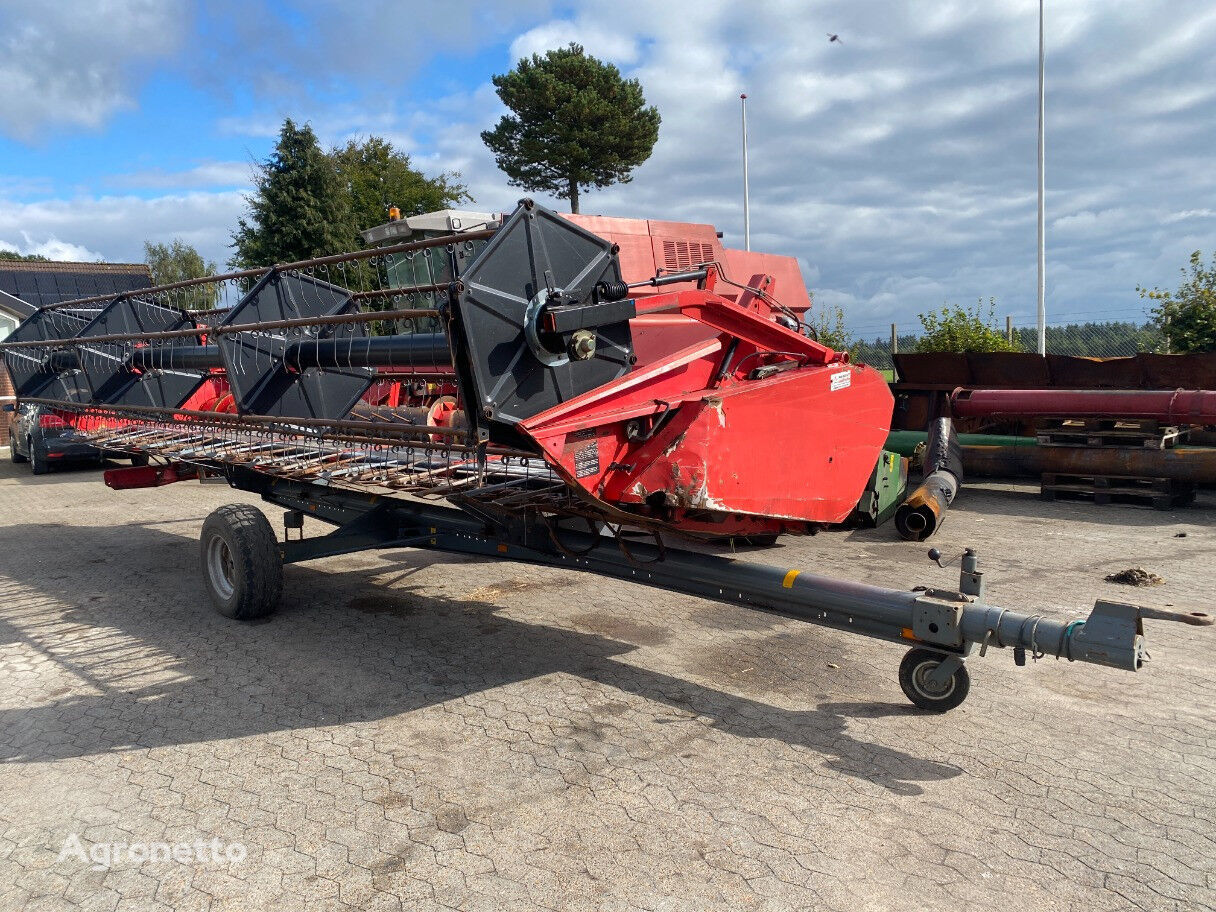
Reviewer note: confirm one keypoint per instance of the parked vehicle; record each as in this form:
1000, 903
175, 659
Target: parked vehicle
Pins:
43, 437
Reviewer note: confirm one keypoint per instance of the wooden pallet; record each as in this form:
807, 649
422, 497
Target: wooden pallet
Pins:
1109, 432
1159, 493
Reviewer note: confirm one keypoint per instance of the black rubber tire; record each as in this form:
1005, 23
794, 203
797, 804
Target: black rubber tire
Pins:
13, 455
139, 459
240, 560
38, 461
918, 662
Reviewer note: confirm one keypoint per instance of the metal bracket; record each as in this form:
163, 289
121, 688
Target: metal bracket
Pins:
566, 318
937, 618
532, 318
941, 674
970, 578
1113, 635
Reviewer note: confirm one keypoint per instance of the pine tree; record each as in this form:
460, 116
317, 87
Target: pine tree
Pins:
299, 210
576, 123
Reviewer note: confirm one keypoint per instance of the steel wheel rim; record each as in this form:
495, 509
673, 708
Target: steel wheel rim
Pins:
221, 568
925, 688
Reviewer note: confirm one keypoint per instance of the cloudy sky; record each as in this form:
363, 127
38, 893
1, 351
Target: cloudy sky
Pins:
898, 165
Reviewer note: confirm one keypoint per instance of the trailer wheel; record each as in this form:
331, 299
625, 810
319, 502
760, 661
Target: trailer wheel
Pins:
914, 672
241, 563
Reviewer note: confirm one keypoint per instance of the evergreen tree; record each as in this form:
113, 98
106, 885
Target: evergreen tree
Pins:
575, 123
299, 209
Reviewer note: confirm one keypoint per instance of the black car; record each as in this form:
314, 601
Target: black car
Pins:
43, 437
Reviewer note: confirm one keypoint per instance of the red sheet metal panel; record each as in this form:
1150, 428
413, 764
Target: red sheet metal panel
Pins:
756, 428
796, 447
648, 245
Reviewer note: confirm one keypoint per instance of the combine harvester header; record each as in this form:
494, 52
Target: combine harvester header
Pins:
569, 411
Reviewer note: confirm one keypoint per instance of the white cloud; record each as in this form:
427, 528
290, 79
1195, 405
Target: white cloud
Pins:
1183, 216
115, 227
52, 248
212, 174
607, 44
898, 165
74, 63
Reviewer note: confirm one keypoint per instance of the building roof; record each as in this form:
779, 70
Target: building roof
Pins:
41, 284
15, 306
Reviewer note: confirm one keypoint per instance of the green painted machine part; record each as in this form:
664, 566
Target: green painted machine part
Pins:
905, 442
885, 490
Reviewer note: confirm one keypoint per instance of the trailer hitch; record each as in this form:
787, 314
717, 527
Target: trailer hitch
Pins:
1112, 634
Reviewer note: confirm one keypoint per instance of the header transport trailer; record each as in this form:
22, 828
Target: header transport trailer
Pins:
525, 398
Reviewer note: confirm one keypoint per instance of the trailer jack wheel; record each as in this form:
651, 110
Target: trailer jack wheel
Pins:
921, 685
240, 561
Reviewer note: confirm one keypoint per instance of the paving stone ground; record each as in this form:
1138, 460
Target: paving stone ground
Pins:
417, 731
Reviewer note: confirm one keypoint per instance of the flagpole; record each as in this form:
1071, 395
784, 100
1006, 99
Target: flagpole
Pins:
1042, 246
747, 221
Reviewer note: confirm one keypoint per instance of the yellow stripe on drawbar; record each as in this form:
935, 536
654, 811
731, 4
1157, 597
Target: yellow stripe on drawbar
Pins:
788, 582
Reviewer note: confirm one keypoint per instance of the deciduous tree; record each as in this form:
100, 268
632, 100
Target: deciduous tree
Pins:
963, 329
1187, 317
376, 176
177, 262
827, 325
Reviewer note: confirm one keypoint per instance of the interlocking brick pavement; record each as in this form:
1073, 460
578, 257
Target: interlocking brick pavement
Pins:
420, 731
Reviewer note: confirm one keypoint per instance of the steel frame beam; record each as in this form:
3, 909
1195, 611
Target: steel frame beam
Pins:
950, 622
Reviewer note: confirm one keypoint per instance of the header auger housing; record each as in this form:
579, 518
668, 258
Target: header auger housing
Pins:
560, 402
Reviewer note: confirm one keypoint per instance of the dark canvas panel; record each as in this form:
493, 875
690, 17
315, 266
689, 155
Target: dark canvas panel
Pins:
42, 284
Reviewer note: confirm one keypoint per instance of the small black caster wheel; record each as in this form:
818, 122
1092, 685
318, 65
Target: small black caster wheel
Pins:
914, 673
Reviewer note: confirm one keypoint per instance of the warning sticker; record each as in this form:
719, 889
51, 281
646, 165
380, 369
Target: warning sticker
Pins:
587, 460
841, 379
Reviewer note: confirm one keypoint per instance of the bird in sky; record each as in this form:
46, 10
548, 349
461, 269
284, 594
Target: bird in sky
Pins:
835, 38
